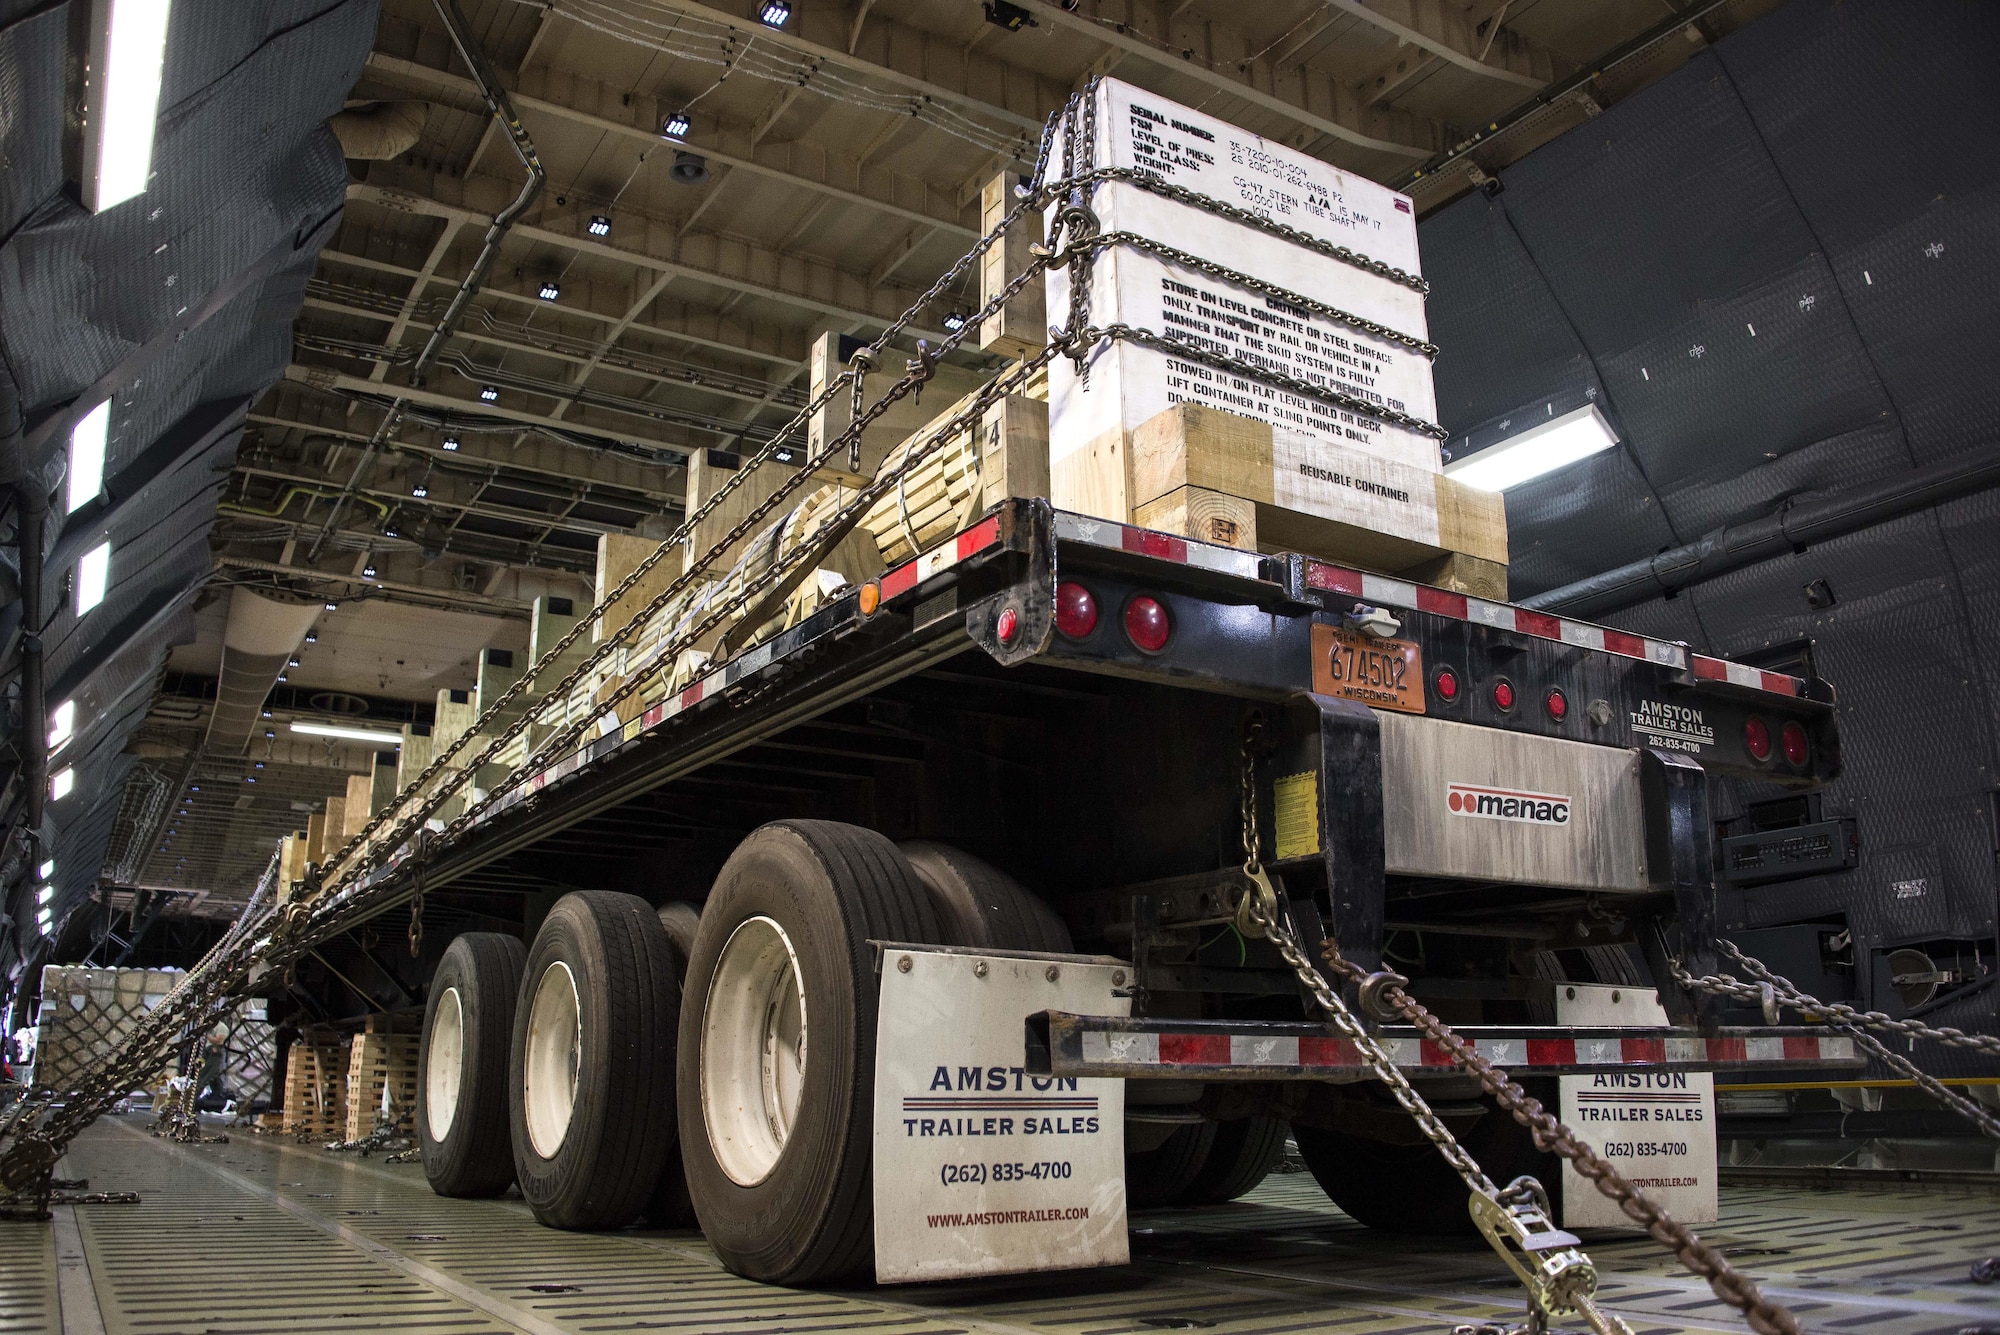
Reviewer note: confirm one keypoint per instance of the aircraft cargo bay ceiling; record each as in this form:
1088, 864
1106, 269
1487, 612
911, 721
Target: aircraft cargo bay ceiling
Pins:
720, 184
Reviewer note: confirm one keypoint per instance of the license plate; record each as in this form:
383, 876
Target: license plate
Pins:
1388, 674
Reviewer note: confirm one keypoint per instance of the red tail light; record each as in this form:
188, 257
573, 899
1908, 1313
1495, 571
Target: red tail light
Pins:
1076, 610
1446, 683
1793, 737
1007, 625
1146, 624
1757, 738
1557, 704
1503, 695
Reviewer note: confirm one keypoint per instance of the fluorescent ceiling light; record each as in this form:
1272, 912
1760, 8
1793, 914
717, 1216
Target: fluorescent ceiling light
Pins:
43, 918
86, 456
61, 782
45, 894
351, 734
128, 44
62, 725
1542, 448
93, 576
47, 869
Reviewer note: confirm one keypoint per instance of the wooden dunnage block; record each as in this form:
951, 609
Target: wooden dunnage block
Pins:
1233, 480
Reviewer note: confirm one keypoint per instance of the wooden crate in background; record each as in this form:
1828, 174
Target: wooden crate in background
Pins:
379, 1060
1220, 478
316, 1090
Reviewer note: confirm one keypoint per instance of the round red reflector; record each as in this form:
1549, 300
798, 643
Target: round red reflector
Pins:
1076, 610
1446, 683
1146, 624
1007, 625
1793, 737
1503, 694
1557, 704
1757, 738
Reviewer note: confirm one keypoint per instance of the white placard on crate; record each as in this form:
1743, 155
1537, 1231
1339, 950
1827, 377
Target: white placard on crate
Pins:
1127, 383
1136, 128
981, 1168
1657, 1128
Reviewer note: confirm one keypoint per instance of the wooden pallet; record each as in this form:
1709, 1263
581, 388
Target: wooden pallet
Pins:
377, 1061
316, 1090
1220, 478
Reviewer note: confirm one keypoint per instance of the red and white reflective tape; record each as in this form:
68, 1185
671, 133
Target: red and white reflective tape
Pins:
944, 556
1194, 1050
1542, 625
1161, 546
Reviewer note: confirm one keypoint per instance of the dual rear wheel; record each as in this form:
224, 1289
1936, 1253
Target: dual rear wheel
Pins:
753, 1021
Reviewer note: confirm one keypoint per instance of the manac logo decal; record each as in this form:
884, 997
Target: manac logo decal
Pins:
1482, 803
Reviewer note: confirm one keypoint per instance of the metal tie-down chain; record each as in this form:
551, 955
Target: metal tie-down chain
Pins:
1551, 1264
1773, 990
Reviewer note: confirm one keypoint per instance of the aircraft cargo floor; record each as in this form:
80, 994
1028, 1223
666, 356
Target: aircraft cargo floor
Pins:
260, 1235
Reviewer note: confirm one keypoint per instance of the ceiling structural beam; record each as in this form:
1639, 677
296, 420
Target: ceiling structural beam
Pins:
907, 58
612, 335
485, 548
569, 357
1349, 121
774, 113
732, 263
898, 253
290, 406
446, 236
476, 602
1449, 35
434, 501
320, 377
572, 305
599, 106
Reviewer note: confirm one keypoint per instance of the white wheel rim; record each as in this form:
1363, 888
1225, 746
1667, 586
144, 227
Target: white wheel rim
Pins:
444, 1066
753, 1051
555, 1052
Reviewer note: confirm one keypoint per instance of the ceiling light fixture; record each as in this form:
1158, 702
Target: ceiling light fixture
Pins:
349, 734
449, 444
368, 571
62, 725
775, 13
489, 393
61, 782
86, 457
47, 869
93, 576
121, 101
45, 894
420, 492
675, 126
954, 321
548, 290
333, 607
312, 637
1541, 449
601, 225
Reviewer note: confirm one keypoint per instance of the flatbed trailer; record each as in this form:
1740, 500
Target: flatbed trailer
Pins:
1501, 802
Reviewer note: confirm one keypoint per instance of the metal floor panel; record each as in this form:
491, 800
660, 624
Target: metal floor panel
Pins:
265, 1236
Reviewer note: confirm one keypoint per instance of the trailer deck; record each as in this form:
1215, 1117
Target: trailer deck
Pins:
297, 1239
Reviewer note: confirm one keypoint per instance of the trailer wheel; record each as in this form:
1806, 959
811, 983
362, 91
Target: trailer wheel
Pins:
590, 1087
1410, 1188
462, 1057
1162, 1176
1243, 1153
778, 1047
977, 904
670, 1206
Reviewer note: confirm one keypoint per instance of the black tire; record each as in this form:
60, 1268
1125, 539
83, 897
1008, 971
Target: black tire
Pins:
1244, 1151
481, 975
804, 1216
1160, 1176
600, 1169
977, 904
1410, 1188
670, 1206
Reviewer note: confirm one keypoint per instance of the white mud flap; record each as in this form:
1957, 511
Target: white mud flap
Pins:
1655, 1127
981, 1168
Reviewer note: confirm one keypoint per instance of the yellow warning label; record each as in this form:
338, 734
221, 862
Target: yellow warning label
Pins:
1296, 799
